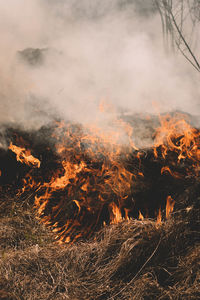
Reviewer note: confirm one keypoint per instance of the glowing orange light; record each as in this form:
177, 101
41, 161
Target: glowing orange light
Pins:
169, 206
24, 156
140, 217
159, 217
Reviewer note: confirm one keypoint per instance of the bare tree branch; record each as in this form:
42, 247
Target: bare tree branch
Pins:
174, 17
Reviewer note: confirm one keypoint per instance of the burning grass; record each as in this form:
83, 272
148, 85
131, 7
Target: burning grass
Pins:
97, 180
76, 183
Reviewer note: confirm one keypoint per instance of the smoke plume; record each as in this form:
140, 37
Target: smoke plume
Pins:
63, 58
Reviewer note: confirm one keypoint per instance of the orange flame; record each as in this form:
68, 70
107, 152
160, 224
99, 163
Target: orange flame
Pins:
24, 156
91, 173
28, 184
169, 206
93, 176
175, 134
159, 217
166, 169
115, 215
140, 217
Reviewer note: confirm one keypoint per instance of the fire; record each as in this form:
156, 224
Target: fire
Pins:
169, 206
176, 135
166, 169
28, 184
140, 217
93, 186
115, 215
24, 156
91, 173
159, 217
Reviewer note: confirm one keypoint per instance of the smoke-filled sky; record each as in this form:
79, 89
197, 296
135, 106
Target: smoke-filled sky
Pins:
93, 51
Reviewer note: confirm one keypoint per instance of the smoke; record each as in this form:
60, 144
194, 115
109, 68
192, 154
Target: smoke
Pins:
85, 52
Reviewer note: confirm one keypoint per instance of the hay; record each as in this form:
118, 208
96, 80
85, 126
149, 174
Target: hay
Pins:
130, 260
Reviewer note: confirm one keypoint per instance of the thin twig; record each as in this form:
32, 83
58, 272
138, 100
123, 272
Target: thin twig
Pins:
182, 52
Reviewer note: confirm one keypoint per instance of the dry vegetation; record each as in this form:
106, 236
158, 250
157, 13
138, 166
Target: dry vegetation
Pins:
133, 259
130, 260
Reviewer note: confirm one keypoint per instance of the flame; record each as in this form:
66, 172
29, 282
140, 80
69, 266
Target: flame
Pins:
28, 184
140, 217
169, 206
93, 178
24, 156
159, 217
176, 135
166, 169
91, 173
115, 215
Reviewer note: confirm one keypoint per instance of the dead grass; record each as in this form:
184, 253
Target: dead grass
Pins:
131, 260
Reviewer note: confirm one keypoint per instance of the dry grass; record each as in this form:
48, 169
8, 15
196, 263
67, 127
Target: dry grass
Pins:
131, 260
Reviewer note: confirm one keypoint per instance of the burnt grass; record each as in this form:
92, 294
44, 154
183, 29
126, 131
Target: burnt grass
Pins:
130, 260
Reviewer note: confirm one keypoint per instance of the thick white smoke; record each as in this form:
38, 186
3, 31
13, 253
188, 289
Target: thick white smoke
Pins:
93, 50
